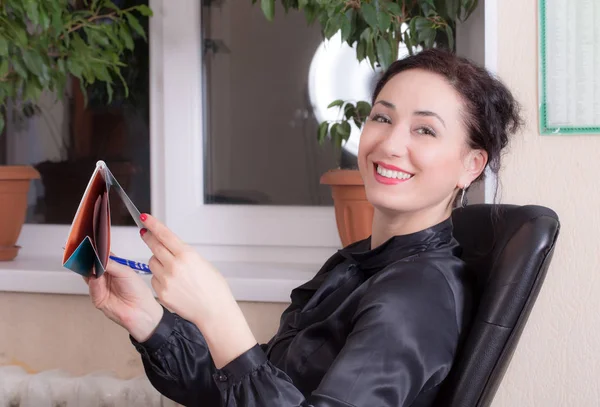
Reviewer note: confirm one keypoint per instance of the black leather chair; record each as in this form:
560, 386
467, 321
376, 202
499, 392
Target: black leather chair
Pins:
508, 252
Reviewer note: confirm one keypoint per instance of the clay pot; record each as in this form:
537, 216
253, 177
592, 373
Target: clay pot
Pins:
14, 186
353, 213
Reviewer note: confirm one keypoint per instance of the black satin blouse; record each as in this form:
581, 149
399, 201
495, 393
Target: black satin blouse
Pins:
374, 328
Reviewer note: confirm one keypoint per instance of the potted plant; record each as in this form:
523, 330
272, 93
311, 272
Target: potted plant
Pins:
43, 46
375, 29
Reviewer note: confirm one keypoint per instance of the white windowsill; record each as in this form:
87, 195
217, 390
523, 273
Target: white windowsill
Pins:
261, 282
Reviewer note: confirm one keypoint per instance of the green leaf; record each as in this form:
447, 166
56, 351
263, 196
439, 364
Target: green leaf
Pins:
57, 19
32, 11
452, 8
310, 13
344, 130
112, 6
370, 49
346, 28
268, 8
19, 67
79, 45
36, 64
427, 6
349, 111
394, 8
44, 19
74, 67
3, 67
361, 50
3, 47
364, 109
109, 91
322, 133
114, 40
145, 10
302, 4
32, 91
1, 118
469, 6
408, 42
101, 72
123, 81
61, 66
384, 20
332, 26
424, 31
384, 52
135, 24
394, 44
335, 135
20, 35
450, 36
96, 37
338, 102
370, 14
126, 37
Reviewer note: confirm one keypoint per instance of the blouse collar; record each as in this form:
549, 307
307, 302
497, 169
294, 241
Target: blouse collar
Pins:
397, 247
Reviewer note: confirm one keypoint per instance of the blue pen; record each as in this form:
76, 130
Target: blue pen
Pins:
141, 267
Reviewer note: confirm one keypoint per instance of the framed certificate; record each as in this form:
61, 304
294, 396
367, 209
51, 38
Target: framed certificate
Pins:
569, 65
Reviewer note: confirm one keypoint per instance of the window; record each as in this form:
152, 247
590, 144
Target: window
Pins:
64, 138
169, 142
182, 95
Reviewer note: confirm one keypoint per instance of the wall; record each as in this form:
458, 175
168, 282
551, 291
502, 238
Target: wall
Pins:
556, 363
42, 332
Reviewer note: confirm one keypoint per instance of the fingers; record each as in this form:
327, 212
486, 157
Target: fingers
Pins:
163, 234
116, 269
156, 266
158, 249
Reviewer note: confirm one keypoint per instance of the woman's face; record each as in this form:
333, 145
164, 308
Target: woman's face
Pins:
413, 151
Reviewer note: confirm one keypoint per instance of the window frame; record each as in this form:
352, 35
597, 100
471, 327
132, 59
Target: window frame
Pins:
178, 137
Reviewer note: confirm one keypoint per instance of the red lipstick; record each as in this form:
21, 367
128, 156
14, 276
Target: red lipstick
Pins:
385, 180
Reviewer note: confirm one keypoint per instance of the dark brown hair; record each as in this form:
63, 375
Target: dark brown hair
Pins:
491, 111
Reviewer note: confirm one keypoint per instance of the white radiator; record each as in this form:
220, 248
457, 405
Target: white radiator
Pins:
58, 389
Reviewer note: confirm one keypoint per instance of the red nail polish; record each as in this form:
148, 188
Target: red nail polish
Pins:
143, 231
143, 217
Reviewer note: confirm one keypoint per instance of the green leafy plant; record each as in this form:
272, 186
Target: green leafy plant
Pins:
43, 42
376, 28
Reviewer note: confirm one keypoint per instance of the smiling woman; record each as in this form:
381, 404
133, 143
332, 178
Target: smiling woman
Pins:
416, 130
432, 131
387, 312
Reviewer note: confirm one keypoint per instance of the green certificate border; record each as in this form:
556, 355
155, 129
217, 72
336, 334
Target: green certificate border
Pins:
545, 128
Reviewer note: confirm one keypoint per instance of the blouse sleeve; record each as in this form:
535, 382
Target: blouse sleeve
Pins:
402, 342
177, 362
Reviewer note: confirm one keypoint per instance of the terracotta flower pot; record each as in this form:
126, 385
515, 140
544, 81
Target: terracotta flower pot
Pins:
14, 186
353, 213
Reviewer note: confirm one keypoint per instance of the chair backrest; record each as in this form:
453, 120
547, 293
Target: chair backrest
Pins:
508, 252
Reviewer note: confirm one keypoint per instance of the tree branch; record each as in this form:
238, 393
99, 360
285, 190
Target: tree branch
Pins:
110, 15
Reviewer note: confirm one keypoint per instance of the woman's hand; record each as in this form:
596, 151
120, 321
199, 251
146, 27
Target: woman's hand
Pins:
190, 286
124, 297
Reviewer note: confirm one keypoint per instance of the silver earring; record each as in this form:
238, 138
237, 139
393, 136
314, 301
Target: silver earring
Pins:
463, 198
